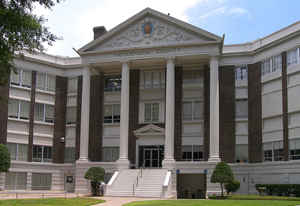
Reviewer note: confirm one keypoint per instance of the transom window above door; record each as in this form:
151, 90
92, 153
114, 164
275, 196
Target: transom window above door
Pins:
151, 113
152, 79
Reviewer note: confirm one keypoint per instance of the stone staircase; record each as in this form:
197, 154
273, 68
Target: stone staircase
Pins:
137, 183
150, 183
123, 185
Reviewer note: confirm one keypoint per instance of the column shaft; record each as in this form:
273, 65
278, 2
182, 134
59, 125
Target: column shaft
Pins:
124, 124
85, 115
214, 111
170, 112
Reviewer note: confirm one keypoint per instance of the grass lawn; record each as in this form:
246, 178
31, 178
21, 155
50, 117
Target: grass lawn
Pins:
215, 203
51, 202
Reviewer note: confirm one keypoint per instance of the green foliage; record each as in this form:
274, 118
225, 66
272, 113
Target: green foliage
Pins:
51, 202
96, 176
4, 158
213, 203
222, 174
280, 189
265, 197
232, 186
21, 30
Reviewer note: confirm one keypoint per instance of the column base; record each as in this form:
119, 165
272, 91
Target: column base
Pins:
169, 164
215, 159
123, 164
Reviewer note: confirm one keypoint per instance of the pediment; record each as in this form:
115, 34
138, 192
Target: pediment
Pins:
150, 28
149, 130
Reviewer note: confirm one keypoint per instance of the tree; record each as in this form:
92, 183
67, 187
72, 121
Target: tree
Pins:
4, 158
222, 174
232, 186
21, 30
96, 176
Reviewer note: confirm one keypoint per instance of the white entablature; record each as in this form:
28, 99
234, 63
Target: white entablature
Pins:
150, 28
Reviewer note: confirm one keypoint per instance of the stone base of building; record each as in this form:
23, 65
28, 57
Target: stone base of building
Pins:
70, 177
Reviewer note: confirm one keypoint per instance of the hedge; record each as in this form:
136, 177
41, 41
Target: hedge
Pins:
279, 189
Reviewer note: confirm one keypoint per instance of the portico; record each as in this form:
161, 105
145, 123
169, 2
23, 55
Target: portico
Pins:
170, 63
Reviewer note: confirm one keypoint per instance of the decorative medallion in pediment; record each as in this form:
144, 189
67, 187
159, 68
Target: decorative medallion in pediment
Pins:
150, 31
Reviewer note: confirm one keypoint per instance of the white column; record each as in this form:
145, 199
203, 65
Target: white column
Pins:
123, 161
170, 116
85, 115
214, 111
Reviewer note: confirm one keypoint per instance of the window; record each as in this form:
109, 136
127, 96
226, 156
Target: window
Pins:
271, 64
72, 85
277, 63
45, 81
192, 77
151, 113
71, 115
241, 108
152, 79
41, 181
293, 57
110, 154
112, 113
21, 78
16, 181
266, 66
241, 153
18, 109
41, 153
241, 73
192, 153
44, 112
112, 83
273, 151
294, 147
18, 151
193, 110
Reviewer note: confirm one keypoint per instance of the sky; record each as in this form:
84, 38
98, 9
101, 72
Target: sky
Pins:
240, 20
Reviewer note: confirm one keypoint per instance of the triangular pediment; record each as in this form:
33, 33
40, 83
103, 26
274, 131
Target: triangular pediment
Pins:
150, 28
149, 130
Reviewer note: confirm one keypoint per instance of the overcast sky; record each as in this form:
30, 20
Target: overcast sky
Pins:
240, 20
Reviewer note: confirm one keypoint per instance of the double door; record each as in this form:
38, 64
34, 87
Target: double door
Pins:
152, 156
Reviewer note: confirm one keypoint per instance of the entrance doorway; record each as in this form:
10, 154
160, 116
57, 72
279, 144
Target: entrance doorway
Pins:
151, 156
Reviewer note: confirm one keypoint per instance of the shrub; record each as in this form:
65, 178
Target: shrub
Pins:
222, 174
232, 186
4, 158
280, 189
96, 176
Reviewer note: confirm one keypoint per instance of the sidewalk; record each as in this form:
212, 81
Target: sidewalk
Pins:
119, 201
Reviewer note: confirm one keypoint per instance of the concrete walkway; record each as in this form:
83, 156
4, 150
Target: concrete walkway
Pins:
119, 201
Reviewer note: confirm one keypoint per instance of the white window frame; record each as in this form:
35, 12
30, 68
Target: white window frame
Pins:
152, 72
193, 110
46, 85
159, 112
19, 109
112, 114
20, 82
193, 159
44, 113
43, 158
272, 149
297, 57
239, 70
